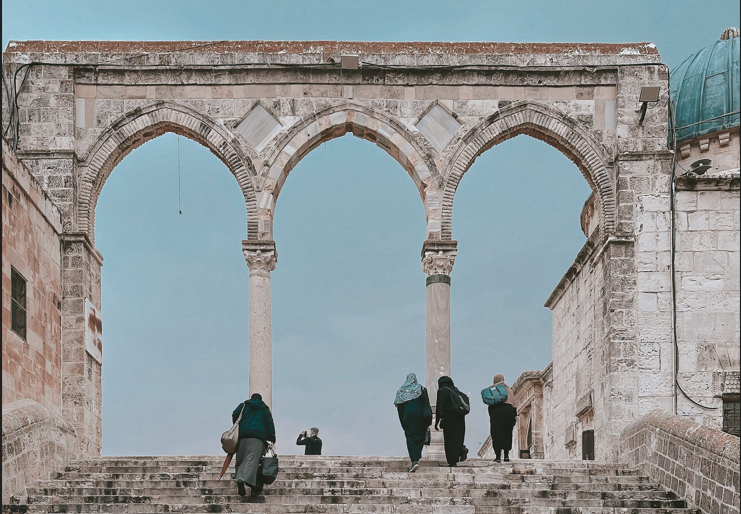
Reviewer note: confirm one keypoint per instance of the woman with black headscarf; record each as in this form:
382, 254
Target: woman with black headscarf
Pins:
415, 415
452, 420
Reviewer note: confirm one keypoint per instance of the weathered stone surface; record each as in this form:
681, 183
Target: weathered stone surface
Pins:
698, 463
36, 441
31, 230
336, 485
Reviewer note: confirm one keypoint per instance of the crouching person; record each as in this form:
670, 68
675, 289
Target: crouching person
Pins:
256, 434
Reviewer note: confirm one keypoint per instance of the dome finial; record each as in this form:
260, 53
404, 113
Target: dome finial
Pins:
729, 33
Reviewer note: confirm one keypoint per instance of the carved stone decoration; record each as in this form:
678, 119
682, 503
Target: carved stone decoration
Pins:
261, 257
704, 145
438, 257
724, 139
440, 263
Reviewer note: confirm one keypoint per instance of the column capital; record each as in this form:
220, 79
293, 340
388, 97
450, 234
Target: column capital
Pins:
261, 256
438, 257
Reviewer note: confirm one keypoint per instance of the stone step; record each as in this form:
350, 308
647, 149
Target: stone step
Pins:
255, 506
40, 495
408, 481
482, 477
334, 461
118, 470
331, 484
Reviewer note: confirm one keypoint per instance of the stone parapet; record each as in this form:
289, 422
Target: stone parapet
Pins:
35, 442
696, 462
233, 53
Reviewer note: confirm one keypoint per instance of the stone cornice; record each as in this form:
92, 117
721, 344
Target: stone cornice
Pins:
730, 181
524, 377
328, 52
81, 237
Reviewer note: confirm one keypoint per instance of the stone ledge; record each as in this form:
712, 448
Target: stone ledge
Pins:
693, 460
722, 182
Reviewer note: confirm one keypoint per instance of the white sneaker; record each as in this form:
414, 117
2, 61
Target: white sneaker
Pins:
415, 466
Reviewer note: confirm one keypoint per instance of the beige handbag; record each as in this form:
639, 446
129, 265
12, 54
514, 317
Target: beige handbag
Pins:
230, 438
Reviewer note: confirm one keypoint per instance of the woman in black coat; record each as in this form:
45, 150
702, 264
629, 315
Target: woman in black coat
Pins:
415, 415
452, 422
502, 418
256, 431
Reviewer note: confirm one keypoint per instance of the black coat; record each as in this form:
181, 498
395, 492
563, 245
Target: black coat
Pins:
444, 406
256, 422
313, 444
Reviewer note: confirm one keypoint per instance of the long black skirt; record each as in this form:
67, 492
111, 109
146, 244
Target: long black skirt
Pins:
454, 434
415, 426
501, 423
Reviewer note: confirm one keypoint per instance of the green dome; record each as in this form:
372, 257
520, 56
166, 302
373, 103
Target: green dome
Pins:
705, 87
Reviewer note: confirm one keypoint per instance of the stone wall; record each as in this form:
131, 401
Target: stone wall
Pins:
708, 296
697, 462
32, 368
35, 442
578, 376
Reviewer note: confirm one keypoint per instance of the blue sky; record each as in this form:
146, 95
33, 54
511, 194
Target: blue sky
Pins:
348, 291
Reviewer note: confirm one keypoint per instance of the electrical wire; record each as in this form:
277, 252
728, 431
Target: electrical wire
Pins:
672, 268
737, 111
179, 210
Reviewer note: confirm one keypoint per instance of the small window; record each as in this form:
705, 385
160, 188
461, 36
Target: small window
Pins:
18, 306
732, 415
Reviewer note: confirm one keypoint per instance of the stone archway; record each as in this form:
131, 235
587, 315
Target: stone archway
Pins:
141, 125
387, 133
541, 122
288, 150
82, 382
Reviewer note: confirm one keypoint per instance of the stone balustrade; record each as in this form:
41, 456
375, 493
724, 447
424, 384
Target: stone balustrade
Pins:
696, 462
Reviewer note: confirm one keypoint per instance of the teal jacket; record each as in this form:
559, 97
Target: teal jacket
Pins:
257, 422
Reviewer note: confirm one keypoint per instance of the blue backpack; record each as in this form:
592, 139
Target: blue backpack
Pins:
494, 394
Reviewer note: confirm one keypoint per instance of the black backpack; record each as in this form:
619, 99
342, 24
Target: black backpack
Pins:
459, 402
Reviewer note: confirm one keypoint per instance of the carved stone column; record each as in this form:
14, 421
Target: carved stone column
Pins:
438, 258
261, 258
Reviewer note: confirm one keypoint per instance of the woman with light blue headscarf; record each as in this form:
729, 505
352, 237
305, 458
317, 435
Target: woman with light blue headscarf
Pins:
415, 415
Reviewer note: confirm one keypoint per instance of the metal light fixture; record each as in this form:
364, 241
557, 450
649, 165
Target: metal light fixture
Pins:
349, 62
701, 166
649, 94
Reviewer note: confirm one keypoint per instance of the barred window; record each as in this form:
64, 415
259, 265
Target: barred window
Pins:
18, 303
732, 415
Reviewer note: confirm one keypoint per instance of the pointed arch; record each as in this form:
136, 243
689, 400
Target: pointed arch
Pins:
541, 122
336, 121
143, 124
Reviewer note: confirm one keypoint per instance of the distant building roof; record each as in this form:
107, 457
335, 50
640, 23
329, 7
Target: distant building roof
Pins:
705, 89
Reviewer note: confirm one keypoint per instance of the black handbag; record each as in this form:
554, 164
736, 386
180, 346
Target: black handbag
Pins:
269, 467
428, 437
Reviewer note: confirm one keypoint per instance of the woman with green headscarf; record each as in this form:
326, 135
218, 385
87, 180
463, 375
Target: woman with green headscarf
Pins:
415, 415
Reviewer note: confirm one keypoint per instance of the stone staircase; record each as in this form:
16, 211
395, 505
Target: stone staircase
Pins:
141, 485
